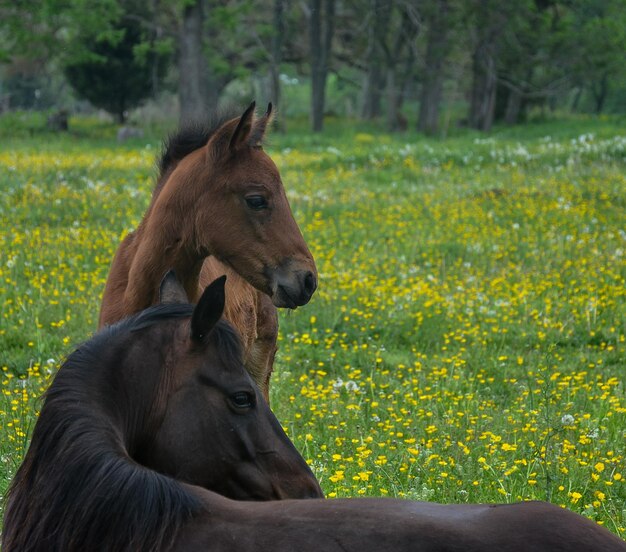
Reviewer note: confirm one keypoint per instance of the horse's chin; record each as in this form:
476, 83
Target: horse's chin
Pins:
283, 300
288, 297
294, 292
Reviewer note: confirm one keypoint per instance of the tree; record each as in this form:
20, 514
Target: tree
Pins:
598, 41
400, 61
532, 66
438, 17
276, 54
489, 20
193, 89
320, 35
48, 29
111, 76
373, 87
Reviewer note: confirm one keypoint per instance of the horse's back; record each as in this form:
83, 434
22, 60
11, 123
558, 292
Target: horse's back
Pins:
545, 526
391, 525
524, 526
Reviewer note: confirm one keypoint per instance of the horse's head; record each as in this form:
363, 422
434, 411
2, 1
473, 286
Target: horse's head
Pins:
241, 213
214, 429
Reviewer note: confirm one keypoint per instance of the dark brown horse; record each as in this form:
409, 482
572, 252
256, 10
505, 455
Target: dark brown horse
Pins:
158, 396
81, 486
218, 199
388, 525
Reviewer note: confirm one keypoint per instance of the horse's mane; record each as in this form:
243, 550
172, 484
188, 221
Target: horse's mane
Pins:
186, 140
78, 489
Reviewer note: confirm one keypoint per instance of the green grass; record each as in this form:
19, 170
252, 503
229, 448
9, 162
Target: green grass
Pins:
467, 341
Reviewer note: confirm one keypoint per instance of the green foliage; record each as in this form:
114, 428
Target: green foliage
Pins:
550, 53
117, 71
598, 44
46, 28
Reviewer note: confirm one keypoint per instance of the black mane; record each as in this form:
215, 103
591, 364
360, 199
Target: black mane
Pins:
78, 488
189, 138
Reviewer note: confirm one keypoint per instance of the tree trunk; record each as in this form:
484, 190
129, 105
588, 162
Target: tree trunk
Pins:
406, 76
372, 92
321, 33
276, 55
490, 21
393, 99
396, 92
513, 107
430, 101
192, 83
375, 55
577, 95
396, 82
600, 92
483, 100
436, 52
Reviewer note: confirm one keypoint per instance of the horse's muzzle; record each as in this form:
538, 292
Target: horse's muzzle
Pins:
294, 291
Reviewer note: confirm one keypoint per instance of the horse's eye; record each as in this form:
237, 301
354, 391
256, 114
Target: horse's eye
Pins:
256, 202
242, 399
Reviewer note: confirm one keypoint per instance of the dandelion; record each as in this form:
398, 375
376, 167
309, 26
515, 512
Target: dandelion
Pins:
575, 497
593, 434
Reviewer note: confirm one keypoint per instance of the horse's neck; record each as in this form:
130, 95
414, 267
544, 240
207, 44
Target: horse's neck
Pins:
165, 239
159, 247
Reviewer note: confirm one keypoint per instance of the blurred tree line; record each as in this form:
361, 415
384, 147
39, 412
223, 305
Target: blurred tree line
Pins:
422, 63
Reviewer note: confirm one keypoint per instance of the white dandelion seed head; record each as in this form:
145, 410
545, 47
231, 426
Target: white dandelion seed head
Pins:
594, 433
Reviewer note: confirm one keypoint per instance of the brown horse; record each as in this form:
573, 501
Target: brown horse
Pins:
219, 199
81, 487
162, 394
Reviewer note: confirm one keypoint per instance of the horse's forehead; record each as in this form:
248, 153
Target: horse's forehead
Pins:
168, 341
257, 165
188, 361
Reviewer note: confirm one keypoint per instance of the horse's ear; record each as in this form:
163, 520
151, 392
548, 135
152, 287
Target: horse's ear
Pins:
242, 132
208, 310
171, 290
258, 129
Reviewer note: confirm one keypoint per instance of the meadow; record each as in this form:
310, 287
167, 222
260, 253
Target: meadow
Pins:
467, 341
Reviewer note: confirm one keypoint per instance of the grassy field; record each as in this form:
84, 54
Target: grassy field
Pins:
467, 342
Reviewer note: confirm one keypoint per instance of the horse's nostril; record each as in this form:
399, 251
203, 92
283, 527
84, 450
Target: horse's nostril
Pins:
310, 283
